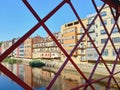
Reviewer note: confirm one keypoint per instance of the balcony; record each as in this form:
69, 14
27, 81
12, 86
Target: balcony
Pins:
93, 39
82, 47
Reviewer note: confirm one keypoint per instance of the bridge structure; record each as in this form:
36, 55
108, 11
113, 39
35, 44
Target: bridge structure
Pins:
41, 22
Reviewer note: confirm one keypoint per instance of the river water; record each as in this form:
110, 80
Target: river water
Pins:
38, 79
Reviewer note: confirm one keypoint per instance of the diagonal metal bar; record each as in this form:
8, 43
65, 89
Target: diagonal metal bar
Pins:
71, 53
17, 43
95, 81
114, 18
113, 69
117, 57
48, 15
41, 23
109, 35
102, 50
14, 77
109, 38
8, 51
59, 45
84, 28
23, 38
85, 31
92, 43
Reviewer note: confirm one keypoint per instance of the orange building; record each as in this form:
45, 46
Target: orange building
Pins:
71, 33
28, 48
28, 76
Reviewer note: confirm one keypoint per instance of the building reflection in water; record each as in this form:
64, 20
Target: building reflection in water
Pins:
28, 76
38, 78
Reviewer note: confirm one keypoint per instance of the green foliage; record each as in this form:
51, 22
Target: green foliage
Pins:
11, 61
0, 44
36, 64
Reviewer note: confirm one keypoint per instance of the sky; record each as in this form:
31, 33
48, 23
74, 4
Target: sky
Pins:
16, 19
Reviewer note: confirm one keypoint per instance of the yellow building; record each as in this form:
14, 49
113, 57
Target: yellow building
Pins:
109, 53
71, 33
91, 54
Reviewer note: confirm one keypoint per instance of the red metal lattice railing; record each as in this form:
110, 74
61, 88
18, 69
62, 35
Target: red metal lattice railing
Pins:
41, 22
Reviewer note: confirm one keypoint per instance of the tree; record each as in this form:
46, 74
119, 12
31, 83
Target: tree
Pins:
0, 44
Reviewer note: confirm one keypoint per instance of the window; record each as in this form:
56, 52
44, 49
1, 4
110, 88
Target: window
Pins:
70, 24
103, 14
69, 30
102, 32
70, 45
114, 53
105, 22
89, 55
90, 20
103, 40
77, 22
115, 30
53, 54
73, 37
82, 51
70, 37
96, 34
116, 40
96, 26
105, 53
112, 21
81, 30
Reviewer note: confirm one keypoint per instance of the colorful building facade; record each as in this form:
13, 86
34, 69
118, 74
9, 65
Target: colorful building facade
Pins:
21, 50
109, 53
71, 33
28, 48
5, 45
36, 47
16, 51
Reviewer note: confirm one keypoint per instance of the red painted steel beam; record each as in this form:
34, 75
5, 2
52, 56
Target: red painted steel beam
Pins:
95, 81
114, 18
117, 57
59, 45
17, 43
97, 51
41, 22
74, 49
87, 33
113, 69
115, 4
101, 51
22, 39
8, 51
14, 77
